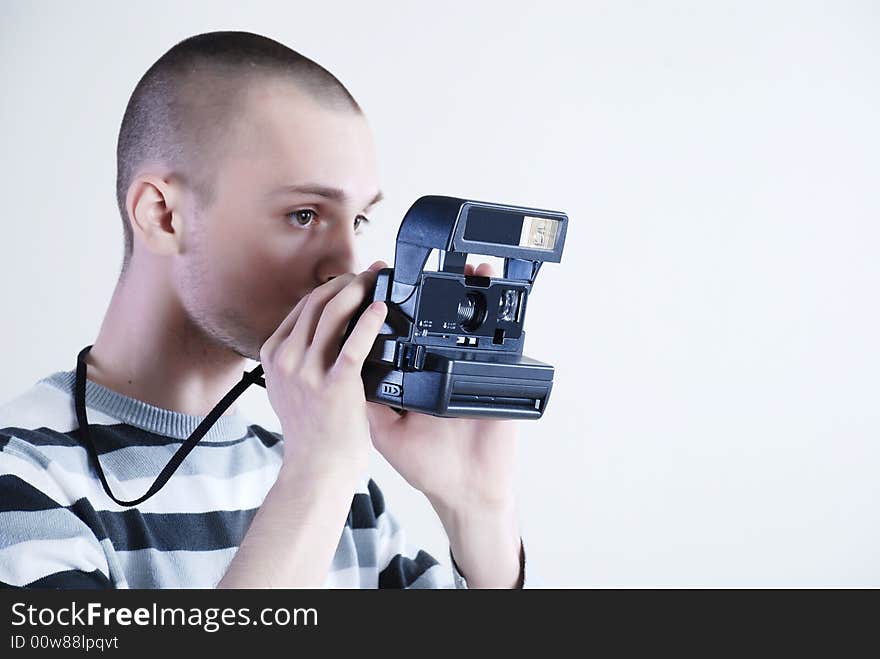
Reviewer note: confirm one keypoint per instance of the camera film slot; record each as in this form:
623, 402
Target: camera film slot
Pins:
470, 394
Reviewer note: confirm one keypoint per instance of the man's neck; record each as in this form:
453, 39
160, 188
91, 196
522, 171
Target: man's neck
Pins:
148, 349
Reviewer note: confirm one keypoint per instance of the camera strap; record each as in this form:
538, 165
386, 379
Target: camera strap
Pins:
79, 395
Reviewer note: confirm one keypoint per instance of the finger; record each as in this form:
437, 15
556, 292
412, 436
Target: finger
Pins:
282, 330
468, 269
363, 336
336, 316
378, 265
300, 336
485, 270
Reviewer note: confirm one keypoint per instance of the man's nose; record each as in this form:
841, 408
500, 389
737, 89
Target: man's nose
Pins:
341, 256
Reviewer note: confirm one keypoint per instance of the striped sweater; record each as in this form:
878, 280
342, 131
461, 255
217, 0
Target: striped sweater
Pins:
58, 528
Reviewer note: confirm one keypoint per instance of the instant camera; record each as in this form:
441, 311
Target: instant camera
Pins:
452, 344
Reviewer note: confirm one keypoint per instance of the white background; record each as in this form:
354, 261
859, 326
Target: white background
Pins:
714, 321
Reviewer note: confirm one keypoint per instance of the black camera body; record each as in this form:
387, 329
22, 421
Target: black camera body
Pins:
452, 344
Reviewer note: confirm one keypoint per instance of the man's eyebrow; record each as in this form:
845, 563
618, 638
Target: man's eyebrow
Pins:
336, 194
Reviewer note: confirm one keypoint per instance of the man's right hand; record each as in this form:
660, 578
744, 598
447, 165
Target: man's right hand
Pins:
315, 386
316, 390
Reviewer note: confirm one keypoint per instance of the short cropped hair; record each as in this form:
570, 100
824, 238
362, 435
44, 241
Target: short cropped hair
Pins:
183, 105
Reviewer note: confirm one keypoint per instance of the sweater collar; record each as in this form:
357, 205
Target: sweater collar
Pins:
151, 418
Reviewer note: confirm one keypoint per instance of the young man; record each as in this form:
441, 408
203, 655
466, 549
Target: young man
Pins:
245, 172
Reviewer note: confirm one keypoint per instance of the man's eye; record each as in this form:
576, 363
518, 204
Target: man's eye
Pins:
306, 216
298, 217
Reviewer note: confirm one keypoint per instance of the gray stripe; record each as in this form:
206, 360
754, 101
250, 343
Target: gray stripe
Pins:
346, 555
117, 576
150, 568
148, 417
434, 577
365, 542
144, 461
53, 524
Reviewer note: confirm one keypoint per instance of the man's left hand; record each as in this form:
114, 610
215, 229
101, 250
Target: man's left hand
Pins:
465, 467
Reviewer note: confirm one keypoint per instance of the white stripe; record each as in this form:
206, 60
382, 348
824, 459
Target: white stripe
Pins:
45, 406
41, 478
182, 494
349, 577
392, 541
28, 561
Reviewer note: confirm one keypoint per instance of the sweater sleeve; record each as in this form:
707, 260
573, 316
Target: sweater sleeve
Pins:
526, 575
44, 543
402, 565
399, 563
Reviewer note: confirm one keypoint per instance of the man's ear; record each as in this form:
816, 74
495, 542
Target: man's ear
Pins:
155, 213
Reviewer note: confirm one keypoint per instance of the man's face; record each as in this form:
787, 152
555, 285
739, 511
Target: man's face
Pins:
260, 246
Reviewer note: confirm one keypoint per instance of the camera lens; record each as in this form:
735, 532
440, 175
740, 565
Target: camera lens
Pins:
472, 311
